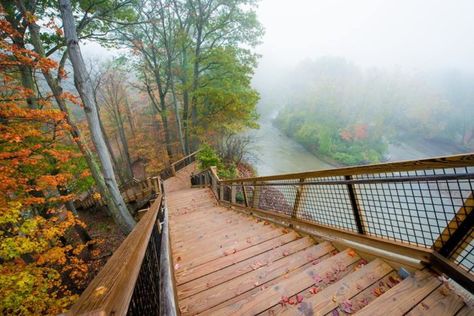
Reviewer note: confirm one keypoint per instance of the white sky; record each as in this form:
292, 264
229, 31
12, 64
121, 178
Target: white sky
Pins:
413, 34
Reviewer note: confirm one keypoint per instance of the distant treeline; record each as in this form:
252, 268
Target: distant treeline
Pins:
344, 113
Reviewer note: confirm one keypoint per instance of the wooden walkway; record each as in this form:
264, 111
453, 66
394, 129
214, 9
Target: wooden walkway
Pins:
229, 263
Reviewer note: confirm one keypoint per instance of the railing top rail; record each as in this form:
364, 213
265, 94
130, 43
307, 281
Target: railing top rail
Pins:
454, 161
111, 290
185, 157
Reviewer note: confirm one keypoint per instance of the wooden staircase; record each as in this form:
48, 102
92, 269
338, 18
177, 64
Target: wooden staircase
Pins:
229, 263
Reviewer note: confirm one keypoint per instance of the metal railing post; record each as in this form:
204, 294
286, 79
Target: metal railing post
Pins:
298, 198
355, 205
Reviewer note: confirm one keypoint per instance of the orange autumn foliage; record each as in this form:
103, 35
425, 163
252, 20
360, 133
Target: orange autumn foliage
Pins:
40, 270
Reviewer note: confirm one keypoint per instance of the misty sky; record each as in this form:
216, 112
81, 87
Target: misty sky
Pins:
412, 34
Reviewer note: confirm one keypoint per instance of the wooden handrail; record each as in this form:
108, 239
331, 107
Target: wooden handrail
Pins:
454, 161
111, 290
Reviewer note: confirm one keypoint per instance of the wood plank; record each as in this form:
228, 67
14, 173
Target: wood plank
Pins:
443, 301
401, 298
194, 273
256, 291
288, 287
222, 252
216, 234
327, 300
306, 293
247, 237
368, 295
251, 264
465, 311
180, 239
218, 294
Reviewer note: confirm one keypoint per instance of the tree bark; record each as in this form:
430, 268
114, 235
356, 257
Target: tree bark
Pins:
84, 87
56, 89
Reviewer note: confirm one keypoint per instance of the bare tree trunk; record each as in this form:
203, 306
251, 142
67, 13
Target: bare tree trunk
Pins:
84, 87
178, 119
123, 140
56, 89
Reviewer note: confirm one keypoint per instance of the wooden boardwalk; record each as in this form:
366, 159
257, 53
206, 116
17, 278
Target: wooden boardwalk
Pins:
229, 263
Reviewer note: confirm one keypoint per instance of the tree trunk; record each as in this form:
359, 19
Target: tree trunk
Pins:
178, 118
84, 87
56, 89
123, 140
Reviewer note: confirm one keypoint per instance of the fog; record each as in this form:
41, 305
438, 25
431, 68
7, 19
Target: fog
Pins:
417, 34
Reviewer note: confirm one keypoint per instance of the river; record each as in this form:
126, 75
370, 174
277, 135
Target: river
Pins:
274, 153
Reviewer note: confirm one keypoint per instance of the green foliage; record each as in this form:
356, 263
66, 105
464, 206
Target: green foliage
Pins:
208, 157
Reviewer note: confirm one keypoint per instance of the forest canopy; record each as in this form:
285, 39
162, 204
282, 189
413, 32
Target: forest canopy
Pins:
351, 115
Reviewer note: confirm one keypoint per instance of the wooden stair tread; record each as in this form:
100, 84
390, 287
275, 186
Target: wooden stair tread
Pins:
218, 294
327, 300
193, 273
251, 264
401, 298
290, 286
443, 301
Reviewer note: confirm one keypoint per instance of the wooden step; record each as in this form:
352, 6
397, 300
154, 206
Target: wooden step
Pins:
443, 301
193, 273
251, 264
403, 297
218, 294
337, 293
290, 286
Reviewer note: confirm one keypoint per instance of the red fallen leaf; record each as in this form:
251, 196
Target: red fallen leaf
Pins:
266, 223
230, 252
285, 253
317, 278
335, 312
426, 307
314, 290
299, 298
315, 262
378, 291
285, 231
393, 280
176, 266
363, 302
346, 306
284, 301
178, 259
352, 253
292, 301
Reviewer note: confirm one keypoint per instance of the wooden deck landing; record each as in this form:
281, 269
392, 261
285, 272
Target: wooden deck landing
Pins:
228, 263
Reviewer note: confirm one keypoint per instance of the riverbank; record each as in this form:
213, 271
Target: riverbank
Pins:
275, 153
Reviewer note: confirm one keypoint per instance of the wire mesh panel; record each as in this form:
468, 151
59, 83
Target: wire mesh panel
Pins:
328, 204
413, 211
277, 196
249, 192
239, 195
463, 255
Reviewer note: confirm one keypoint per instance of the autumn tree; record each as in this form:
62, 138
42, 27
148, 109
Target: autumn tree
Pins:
40, 269
84, 87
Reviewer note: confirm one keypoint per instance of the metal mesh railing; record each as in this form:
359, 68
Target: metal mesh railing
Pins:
426, 203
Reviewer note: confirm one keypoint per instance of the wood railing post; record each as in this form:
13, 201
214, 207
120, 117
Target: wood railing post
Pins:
221, 192
256, 195
355, 206
233, 193
457, 229
173, 170
298, 199
244, 192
